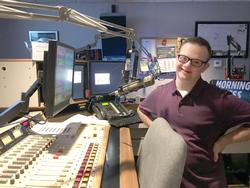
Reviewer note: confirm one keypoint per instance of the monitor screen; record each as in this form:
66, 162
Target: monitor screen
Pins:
43, 36
105, 77
114, 48
58, 77
79, 82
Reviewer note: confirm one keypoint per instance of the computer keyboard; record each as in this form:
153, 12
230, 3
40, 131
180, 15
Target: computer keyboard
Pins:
125, 121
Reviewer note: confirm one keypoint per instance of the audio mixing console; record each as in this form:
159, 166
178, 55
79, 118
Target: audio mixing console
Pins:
70, 160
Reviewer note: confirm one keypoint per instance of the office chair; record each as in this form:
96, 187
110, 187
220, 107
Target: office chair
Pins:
162, 157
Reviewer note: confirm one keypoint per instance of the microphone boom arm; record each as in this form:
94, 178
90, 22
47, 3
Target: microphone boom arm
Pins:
236, 45
9, 9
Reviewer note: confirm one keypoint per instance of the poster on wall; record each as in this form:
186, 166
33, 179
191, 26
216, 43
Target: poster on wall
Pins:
164, 50
39, 42
238, 88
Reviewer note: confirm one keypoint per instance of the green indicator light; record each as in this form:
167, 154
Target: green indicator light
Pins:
105, 103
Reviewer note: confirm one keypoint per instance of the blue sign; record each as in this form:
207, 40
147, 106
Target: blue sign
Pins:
238, 88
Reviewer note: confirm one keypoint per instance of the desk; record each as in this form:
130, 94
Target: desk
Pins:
119, 170
128, 176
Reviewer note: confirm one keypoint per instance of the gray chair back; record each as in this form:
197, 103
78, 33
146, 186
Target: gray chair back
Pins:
162, 157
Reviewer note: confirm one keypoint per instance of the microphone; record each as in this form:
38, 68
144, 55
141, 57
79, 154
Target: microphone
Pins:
134, 86
126, 71
134, 63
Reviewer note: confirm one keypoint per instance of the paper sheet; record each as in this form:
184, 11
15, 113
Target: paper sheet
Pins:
54, 128
38, 49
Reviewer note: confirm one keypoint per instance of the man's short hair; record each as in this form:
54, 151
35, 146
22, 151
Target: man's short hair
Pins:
200, 41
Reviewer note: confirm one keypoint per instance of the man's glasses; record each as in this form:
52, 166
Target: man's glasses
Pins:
194, 62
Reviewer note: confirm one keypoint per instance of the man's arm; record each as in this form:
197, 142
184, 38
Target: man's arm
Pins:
145, 119
238, 135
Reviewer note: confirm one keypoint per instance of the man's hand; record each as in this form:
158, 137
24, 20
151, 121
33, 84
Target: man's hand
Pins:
219, 146
240, 134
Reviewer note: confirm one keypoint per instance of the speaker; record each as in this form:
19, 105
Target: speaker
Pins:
113, 8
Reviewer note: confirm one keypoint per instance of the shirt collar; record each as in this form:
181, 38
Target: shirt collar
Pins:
173, 87
198, 87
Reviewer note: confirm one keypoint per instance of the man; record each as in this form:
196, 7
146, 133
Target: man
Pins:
201, 113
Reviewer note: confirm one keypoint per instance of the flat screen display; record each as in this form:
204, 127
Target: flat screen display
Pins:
114, 48
105, 77
58, 77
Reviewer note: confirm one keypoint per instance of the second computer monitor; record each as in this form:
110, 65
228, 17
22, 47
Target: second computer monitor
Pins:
80, 72
58, 77
105, 77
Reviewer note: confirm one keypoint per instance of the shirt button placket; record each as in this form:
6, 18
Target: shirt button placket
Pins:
179, 108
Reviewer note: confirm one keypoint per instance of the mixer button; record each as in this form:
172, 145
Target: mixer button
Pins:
17, 175
5, 175
26, 166
12, 154
21, 170
60, 180
3, 161
86, 174
3, 180
85, 179
78, 179
34, 183
83, 185
14, 166
22, 159
12, 181
63, 175
76, 185
19, 162
7, 171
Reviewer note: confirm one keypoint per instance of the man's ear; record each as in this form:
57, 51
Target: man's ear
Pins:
205, 67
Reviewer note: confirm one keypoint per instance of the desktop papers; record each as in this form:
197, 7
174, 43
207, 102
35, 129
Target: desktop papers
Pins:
54, 128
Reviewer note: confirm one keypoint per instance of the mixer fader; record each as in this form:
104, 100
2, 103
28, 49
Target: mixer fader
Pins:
31, 163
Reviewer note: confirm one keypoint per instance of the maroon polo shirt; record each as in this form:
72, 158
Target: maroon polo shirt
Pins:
201, 117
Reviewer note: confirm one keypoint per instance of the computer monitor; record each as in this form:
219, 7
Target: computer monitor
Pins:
114, 48
58, 77
80, 72
43, 36
105, 77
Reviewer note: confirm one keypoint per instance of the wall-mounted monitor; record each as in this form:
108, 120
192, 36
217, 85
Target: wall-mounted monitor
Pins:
43, 36
58, 77
105, 77
217, 34
114, 48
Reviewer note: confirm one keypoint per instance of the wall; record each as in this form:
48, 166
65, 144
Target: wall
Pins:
178, 19
148, 19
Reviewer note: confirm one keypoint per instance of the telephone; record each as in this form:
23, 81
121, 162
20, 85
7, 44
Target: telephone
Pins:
110, 110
